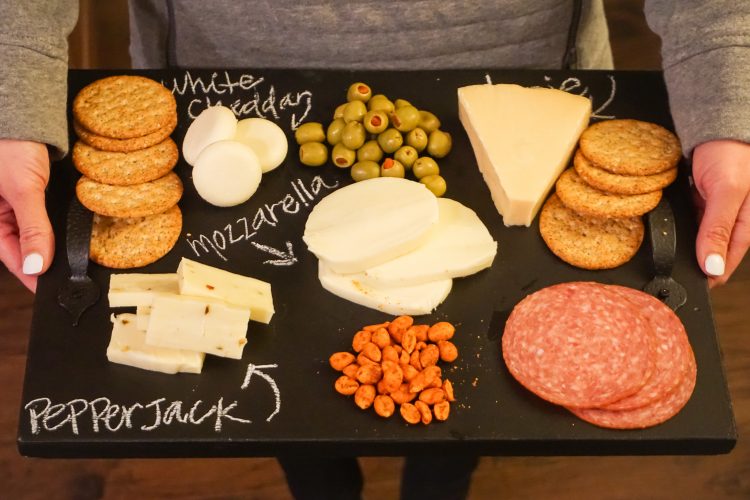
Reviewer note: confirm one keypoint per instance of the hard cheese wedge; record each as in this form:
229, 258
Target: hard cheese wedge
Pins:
458, 246
368, 223
398, 300
198, 324
128, 347
131, 290
200, 280
522, 139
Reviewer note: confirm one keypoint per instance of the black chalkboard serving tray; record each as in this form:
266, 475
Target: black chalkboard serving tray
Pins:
279, 398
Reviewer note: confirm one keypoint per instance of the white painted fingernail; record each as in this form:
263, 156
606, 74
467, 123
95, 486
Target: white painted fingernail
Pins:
715, 264
32, 264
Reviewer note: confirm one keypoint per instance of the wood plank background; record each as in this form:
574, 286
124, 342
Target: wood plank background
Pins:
101, 41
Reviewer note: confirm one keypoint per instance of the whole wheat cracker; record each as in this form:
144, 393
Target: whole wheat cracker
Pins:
139, 200
621, 184
124, 145
125, 169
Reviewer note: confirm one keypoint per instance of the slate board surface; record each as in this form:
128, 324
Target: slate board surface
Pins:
494, 414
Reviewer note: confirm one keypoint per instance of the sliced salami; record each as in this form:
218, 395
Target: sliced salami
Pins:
672, 348
652, 414
578, 344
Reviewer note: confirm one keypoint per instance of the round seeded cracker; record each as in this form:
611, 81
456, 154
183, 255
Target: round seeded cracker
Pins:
586, 200
139, 200
134, 242
125, 169
621, 184
124, 145
124, 106
630, 147
589, 242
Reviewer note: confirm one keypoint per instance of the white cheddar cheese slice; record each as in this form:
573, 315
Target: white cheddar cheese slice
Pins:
128, 347
458, 246
198, 324
201, 280
368, 223
266, 139
132, 290
216, 123
413, 300
522, 139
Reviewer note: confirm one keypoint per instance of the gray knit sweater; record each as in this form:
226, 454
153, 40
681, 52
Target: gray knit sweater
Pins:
705, 49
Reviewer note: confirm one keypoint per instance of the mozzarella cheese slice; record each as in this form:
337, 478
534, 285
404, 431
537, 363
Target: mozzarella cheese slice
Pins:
266, 139
216, 123
227, 173
397, 300
522, 139
131, 290
128, 347
458, 246
368, 223
252, 294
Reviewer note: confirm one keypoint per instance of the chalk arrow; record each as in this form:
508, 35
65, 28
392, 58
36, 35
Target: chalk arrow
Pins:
256, 370
284, 258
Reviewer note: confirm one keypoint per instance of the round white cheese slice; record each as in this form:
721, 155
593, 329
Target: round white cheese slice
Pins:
226, 173
216, 123
413, 300
459, 245
266, 139
371, 222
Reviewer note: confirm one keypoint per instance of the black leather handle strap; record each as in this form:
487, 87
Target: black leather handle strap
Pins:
663, 238
78, 238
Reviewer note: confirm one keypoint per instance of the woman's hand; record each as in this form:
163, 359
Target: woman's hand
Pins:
721, 171
26, 240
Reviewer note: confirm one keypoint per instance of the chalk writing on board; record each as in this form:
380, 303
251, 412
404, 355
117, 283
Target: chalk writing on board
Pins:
282, 258
257, 370
104, 415
246, 95
268, 215
575, 86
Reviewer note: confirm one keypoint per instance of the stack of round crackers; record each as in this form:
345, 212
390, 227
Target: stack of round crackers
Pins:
126, 157
593, 221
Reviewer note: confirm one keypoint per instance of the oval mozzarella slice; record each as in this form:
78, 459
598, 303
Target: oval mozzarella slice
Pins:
412, 300
368, 223
216, 123
226, 173
266, 139
458, 246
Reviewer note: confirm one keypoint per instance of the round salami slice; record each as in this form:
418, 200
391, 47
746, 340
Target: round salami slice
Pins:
578, 344
672, 348
652, 414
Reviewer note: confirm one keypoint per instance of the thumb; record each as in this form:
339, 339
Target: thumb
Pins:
715, 231
34, 231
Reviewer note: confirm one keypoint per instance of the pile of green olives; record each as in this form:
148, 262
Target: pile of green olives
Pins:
378, 137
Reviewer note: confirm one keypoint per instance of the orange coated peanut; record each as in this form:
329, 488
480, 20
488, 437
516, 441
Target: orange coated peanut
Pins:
410, 413
351, 370
346, 386
390, 354
420, 331
414, 361
392, 376
364, 360
384, 406
441, 331
409, 371
448, 390
448, 351
399, 325
424, 379
381, 387
404, 357
364, 396
420, 345
438, 382
402, 395
442, 410
372, 328
372, 351
429, 355
432, 396
424, 412
340, 360
409, 341
361, 338
381, 338
369, 374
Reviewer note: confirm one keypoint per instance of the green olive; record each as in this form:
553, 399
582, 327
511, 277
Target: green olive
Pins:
339, 112
390, 140
342, 156
358, 92
400, 103
406, 155
376, 121
425, 166
333, 135
417, 139
439, 143
405, 118
392, 168
309, 132
370, 151
313, 154
354, 111
379, 102
435, 183
428, 121
353, 135
363, 170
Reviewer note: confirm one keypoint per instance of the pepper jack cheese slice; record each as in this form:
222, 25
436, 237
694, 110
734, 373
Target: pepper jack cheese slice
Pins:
522, 139
201, 280
128, 347
132, 290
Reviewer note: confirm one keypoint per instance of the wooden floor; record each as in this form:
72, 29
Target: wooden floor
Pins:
681, 477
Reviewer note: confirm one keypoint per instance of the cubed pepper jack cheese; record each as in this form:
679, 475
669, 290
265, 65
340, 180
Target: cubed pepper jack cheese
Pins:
200, 280
522, 139
132, 290
198, 324
128, 347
